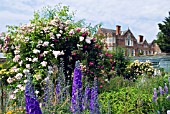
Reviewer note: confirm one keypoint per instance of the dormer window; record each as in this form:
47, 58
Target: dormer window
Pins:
145, 46
128, 41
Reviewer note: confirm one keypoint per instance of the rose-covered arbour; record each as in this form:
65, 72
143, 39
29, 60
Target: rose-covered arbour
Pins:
37, 47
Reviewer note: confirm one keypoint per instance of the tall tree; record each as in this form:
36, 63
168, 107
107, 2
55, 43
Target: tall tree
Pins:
164, 35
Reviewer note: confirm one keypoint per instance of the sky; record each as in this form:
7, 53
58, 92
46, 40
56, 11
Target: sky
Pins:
140, 16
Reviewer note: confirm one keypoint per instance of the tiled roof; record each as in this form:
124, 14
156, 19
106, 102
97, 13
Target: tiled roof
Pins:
104, 30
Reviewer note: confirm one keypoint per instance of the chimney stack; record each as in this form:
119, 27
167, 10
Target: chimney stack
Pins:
140, 38
118, 29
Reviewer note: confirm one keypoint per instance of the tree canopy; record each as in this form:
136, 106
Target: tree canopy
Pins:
164, 35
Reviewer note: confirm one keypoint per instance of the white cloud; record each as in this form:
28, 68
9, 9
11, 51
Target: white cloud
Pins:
141, 16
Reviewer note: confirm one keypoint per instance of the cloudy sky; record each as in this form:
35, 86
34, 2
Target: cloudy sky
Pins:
141, 16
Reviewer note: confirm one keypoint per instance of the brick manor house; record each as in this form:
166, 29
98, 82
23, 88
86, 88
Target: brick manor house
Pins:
127, 40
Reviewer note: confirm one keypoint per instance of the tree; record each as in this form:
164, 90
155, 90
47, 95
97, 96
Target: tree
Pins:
164, 35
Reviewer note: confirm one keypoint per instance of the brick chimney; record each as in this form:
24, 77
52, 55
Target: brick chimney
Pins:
140, 38
118, 29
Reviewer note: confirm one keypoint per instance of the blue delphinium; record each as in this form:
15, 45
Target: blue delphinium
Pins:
86, 96
60, 83
76, 100
32, 105
154, 97
94, 106
161, 90
166, 88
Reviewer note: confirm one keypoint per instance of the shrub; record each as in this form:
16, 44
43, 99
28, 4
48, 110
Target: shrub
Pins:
137, 68
126, 101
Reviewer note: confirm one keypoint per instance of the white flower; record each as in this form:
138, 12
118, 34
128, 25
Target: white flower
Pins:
28, 66
18, 76
45, 53
19, 85
45, 43
40, 41
50, 68
88, 40
25, 81
15, 69
10, 80
68, 22
35, 59
12, 96
60, 32
44, 63
37, 76
36, 51
81, 38
58, 35
56, 53
62, 52
20, 63
26, 39
26, 71
16, 90
22, 88
46, 79
83, 30
16, 58
36, 92
50, 72
52, 45
16, 52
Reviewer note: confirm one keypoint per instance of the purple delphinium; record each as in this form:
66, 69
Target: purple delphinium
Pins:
86, 97
76, 100
60, 83
161, 90
166, 88
32, 105
94, 106
154, 97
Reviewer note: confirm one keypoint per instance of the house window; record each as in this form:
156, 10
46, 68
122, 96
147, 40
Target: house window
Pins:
133, 52
128, 52
145, 46
128, 41
111, 40
110, 48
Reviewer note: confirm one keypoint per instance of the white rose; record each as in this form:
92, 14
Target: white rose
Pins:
36, 51
10, 80
35, 59
44, 63
81, 38
45, 43
18, 76
88, 40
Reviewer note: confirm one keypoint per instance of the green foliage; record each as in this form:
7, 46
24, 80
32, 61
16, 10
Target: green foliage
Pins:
164, 35
115, 84
121, 61
127, 100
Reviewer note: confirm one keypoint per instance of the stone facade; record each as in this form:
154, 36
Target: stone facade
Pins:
127, 40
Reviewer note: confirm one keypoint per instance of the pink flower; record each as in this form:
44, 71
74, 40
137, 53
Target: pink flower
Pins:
16, 58
78, 29
83, 34
71, 32
101, 86
91, 63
